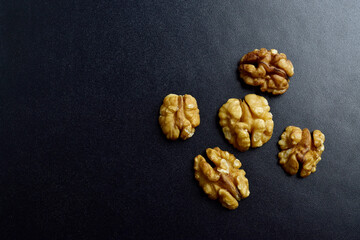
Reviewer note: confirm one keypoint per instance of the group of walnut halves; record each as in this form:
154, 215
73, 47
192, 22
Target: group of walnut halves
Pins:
245, 123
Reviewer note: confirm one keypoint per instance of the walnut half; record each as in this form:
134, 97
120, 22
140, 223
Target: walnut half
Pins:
268, 69
246, 122
179, 114
299, 148
226, 181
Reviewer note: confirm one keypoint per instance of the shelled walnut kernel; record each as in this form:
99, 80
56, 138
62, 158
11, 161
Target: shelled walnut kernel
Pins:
226, 181
179, 114
299, 148
268, 69
240, 118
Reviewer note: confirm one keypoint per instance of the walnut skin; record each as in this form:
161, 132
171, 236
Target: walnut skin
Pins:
179, 114
268, 69
240, 118
226, 181
299, 147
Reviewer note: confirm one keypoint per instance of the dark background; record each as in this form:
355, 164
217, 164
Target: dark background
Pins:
82, 155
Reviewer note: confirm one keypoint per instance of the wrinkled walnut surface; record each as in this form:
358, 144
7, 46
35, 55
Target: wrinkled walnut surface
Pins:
268, 69
300, 148
179, 115
246, 122
226, 181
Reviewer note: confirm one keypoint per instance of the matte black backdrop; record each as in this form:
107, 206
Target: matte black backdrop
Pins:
83, 156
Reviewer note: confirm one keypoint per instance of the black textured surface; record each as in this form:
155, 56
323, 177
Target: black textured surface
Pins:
82, 154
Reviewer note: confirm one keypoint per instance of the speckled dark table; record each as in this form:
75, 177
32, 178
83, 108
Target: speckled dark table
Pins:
83, 157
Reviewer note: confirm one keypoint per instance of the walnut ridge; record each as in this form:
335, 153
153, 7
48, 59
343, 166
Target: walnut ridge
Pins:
226, 181
179, 115
268, 69
299, 148
246, 122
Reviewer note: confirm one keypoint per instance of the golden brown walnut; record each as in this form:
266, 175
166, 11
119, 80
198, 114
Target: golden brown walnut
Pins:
246, 122
179, 115
226, 181
299, 148
268, 69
